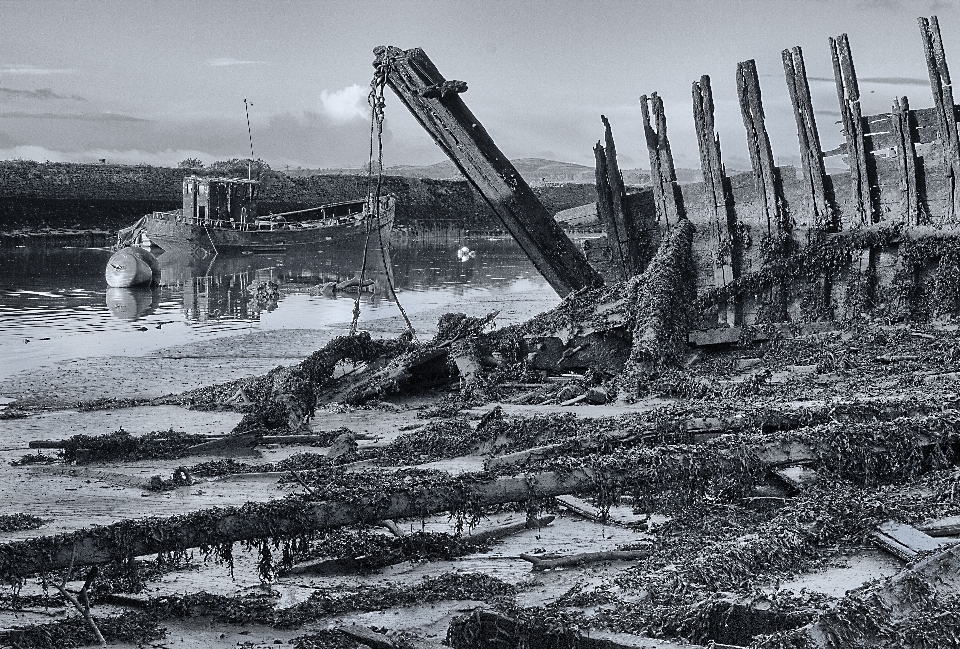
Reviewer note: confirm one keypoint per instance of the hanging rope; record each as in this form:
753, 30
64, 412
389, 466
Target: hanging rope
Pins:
376, 101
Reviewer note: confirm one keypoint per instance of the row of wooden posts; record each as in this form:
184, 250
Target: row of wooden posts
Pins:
901, 130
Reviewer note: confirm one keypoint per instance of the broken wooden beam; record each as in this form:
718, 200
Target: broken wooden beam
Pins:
719, 200
367, 636
605, 212
552, 562
635, 250
410, 74
822, 213
903, 130
663, 174
903, 541
896, 605
286, 517
765, 173
942, 90
848, 96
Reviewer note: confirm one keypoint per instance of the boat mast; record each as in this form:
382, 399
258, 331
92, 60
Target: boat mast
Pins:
246, 109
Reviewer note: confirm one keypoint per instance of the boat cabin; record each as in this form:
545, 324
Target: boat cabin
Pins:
222, 202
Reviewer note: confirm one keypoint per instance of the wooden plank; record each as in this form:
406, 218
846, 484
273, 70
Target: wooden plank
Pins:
436, 104
766, 177
880, 134
823, 215
903, 541
798, 477
848, 96
944, 109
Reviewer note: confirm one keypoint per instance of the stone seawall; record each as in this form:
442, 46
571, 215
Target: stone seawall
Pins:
38, 196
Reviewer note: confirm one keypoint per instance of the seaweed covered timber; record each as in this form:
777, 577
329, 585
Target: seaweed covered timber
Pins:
745, 435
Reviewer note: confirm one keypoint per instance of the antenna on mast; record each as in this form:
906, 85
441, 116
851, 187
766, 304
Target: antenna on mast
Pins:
246, 109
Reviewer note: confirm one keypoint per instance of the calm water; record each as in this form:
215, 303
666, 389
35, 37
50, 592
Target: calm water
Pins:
55, 304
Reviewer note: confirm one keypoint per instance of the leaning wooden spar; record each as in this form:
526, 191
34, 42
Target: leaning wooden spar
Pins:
436, 104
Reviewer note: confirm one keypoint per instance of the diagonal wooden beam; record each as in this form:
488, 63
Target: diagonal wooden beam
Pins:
436, 104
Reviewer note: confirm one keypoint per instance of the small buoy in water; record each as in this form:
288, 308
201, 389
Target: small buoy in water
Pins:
464, 253
132, 266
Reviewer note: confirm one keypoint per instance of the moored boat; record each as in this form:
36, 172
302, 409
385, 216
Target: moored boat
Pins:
219, 215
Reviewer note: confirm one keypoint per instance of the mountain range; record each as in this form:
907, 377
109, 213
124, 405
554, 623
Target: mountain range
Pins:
536, 171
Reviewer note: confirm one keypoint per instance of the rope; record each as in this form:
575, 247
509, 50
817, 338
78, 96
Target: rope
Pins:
376, 101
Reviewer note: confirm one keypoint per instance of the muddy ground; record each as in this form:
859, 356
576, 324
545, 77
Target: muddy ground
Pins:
723, 560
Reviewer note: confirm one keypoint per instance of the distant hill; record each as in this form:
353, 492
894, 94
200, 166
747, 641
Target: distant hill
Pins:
536, 171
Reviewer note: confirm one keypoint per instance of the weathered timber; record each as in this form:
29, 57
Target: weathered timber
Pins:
552, 562
879, 133
718, 199
943, 104
461, 136
288, 517
906, 162
292, 516
467, 544
896, 602
484, 628
848, 96
903, 541
669, 201
367, 636
822, 212
765, 173
605, 211
633, 247
949, 526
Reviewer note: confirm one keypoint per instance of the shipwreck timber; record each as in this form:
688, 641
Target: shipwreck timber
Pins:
772, 436
437, 105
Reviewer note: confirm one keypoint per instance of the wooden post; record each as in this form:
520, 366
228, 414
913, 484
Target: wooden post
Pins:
662, 171
765, 175
906, 161
717, 197
944, 106
631, 244
605, 210
436, 104
823, 215
848, 95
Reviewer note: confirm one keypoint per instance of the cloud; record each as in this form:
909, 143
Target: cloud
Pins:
30, 69
42, 94
83, 117
227, 61
346, 104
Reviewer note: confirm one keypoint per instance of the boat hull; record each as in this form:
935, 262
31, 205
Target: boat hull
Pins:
171, 232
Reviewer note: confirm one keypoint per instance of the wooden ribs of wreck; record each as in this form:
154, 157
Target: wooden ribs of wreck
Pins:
294, 517
773, 246
443, 114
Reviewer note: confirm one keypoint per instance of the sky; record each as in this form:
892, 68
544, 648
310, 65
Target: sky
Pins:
156, 82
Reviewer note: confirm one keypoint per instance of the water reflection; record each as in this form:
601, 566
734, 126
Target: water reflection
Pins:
133, 303
242, 287
56, 299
